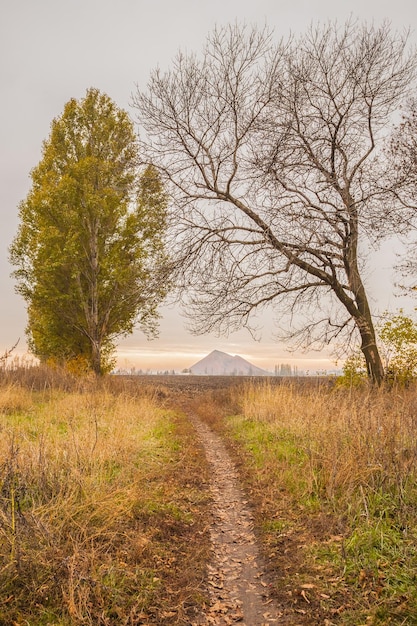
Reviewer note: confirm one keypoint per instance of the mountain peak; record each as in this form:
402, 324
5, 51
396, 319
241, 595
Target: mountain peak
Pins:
219, 363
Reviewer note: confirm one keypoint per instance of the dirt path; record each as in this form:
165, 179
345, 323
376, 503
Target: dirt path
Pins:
239, 592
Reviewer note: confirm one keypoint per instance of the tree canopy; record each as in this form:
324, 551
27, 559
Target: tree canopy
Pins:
89, 249
273, 155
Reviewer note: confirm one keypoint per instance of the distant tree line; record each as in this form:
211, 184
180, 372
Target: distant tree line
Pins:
285, 369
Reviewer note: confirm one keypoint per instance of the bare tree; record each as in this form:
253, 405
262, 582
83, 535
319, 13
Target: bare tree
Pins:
402, 153
271, 155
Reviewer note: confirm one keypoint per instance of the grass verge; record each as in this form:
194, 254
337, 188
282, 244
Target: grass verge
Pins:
101, 497
332, 474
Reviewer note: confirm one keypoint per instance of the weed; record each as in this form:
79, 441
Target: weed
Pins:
97, 508
333, 475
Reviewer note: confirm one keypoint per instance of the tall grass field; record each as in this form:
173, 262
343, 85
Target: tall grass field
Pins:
105, 511
97, 508
333, 475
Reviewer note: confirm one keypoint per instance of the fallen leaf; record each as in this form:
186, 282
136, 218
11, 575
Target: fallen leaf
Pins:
304, 595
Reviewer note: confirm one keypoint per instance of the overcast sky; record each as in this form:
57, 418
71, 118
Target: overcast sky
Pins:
53, 50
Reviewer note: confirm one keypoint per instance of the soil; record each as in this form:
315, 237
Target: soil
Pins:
236, 575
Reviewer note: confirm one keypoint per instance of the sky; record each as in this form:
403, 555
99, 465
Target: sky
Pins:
54, 50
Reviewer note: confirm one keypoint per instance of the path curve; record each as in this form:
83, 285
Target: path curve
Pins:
238, 590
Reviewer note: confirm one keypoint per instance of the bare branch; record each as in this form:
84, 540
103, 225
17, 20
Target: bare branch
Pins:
272, 153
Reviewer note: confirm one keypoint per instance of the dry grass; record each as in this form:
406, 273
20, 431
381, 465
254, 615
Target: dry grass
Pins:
347, 441
100, 495
333, 474
103, 507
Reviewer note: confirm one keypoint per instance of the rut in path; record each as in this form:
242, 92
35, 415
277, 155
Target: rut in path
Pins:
239, 593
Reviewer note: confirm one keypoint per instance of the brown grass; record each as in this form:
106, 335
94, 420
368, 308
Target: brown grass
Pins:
333, 476
100, 497
350, 440
103, 508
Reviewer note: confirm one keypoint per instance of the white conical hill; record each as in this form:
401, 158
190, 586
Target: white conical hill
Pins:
219, 363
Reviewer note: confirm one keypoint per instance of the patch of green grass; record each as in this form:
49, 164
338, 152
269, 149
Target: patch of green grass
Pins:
274, 526
378, 569
48, 617
273, 449
153, 510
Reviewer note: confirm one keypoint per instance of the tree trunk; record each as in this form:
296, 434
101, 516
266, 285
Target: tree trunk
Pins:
96, 357
366, 329
369, 348
94, 300
362, 315
373, 360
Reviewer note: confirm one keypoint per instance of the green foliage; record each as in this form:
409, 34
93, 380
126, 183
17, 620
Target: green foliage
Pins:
398, 334
398, 342
354, 371
89, 249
